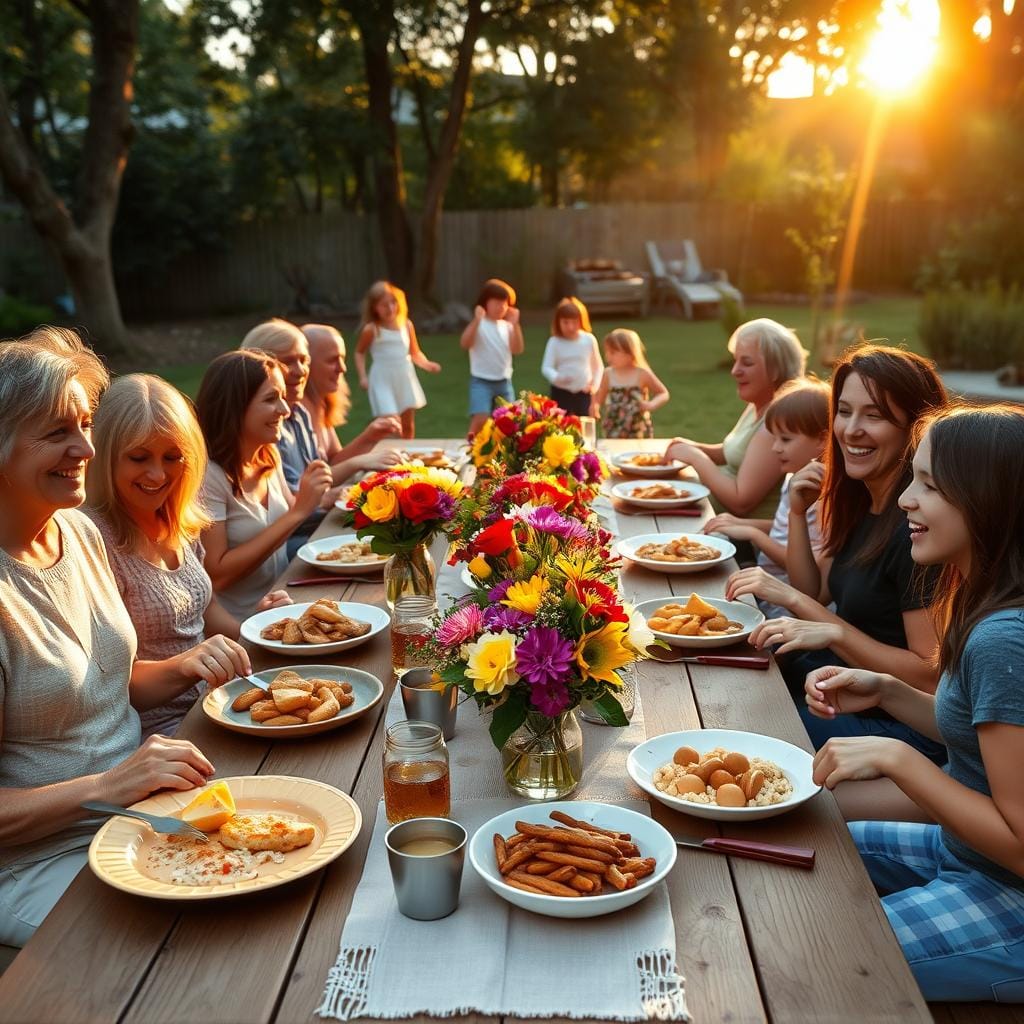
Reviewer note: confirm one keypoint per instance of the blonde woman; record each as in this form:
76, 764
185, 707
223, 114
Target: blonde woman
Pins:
143, 494
741, 471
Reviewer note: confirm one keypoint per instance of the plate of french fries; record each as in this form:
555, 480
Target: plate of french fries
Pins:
303, 700
320, 627
572, 858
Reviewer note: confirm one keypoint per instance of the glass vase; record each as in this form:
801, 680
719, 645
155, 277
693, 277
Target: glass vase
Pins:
543, 758
410, 574
625, 695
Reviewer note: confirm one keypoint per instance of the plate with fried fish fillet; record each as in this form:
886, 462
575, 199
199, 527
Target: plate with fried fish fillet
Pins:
320, 627
277, 829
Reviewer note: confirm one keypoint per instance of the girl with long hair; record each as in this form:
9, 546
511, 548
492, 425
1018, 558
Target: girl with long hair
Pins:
954, 890
572, 361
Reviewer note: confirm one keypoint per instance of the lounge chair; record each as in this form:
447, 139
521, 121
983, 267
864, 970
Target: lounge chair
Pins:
678, 273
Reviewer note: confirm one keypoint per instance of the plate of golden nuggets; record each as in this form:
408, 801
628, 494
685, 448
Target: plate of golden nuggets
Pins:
676, 553
437, 458
302, 700
343, 555
660, 493
700, 622
308, 630
645, 464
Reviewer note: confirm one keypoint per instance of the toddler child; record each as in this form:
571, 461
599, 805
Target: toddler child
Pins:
388, 333
629, 390
572, 363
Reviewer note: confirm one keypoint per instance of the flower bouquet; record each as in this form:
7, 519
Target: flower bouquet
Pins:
529, 651
535, 435
400, 510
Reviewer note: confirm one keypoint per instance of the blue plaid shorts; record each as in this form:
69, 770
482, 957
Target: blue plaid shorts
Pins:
962, 931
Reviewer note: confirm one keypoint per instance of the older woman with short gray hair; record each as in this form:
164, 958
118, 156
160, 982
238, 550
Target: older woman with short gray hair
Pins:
742, 471
70, 683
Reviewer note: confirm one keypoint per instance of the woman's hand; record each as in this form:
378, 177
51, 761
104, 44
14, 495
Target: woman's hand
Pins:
758, 583
680, 450
315, 481
274, 599
805, 487
374, 461
160, 763
729, 526
384, 426
216, 660
795, 635
855, 758
832, 691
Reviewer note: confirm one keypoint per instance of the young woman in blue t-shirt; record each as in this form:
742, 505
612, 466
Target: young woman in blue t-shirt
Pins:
953, 891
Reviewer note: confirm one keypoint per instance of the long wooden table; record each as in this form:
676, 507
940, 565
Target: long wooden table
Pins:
756, 942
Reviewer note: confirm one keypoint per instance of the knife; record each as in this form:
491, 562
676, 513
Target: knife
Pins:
732, 660
310, 581
792, 856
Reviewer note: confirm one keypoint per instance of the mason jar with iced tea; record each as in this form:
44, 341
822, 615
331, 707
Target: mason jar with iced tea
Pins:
411, 624
416, 780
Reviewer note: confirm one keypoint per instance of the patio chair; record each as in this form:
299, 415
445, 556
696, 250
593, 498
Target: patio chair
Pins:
679, 273
604, 286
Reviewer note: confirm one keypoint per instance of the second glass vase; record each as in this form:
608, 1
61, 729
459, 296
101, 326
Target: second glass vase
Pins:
543, 758
410, 574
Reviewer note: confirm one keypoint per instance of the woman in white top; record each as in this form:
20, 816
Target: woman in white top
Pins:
572, 361
389, 334
241, 406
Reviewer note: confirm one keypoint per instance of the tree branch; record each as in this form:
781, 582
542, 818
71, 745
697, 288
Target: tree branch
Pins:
421, 106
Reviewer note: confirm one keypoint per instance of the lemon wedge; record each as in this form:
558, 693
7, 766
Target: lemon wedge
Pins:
211, 808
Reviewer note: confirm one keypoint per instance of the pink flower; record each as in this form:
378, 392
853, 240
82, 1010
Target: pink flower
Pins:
460, 626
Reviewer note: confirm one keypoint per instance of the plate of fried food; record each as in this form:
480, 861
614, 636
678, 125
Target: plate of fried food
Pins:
308, 630
302, 700
660, 493
645, 464
700, 622
342, 555
572, 858
723, 774
676, 553
262, 831
437, 458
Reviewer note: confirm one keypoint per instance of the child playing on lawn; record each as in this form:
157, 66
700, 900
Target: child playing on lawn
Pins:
388, 332
491, 338
629, 390
572, 363
797, 419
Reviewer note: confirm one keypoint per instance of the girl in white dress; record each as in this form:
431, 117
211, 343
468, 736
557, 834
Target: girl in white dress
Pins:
389, 333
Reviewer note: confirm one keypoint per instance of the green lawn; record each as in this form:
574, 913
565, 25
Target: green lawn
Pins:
687, 356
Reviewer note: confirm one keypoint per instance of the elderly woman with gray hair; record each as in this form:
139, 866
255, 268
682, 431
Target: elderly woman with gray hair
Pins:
742, 470
70, 684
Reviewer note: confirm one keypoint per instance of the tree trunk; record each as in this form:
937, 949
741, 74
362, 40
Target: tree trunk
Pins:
90, 273
441, 167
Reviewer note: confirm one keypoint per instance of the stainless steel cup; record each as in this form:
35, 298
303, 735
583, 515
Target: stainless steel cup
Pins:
424, 704
426, 887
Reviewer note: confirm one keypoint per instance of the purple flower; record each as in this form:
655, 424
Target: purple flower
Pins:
549, 699
587, 468
544, 656
445, 506
497, 617
547, 520
460, 626
498, 591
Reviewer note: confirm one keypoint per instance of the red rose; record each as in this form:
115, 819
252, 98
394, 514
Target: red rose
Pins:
496, 539
506, 425
361, 519
420, 502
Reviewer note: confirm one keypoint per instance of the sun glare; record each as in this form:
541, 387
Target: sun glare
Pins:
904, 45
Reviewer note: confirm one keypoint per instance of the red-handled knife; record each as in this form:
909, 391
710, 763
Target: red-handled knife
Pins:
792, 856
732, 660
311, 581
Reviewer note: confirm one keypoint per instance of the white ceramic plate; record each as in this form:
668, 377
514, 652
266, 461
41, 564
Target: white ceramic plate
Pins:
469, 579
378, 619
366, 688
628, 549
652, 839
424, 452
688, 493
118, 851
623, 462
649, 756
308, 552
738, 611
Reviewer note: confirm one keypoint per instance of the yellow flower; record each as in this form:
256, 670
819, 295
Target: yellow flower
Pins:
381, 504
491, 662
481, 438
443, 479
578, 566
559, 450
353, 494
598, 654
479, 567
526, 597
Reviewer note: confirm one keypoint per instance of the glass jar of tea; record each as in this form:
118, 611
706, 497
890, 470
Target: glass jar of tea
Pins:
411, 624
416, 781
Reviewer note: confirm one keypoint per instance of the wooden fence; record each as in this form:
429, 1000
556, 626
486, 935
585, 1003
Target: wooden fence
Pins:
339, 254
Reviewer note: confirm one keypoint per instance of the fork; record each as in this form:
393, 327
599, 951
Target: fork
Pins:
157, 822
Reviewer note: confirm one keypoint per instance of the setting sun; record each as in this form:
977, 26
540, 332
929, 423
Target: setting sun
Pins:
903, 46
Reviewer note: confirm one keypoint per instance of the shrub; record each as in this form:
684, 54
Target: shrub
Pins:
974, 329
18, 317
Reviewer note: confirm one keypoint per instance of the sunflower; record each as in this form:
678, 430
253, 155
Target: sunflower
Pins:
526, 596
601, 652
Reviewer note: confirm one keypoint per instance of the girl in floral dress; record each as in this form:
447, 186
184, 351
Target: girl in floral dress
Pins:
629, 390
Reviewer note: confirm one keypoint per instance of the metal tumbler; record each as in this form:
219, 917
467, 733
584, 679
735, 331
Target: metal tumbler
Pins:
426, 885
425, 703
